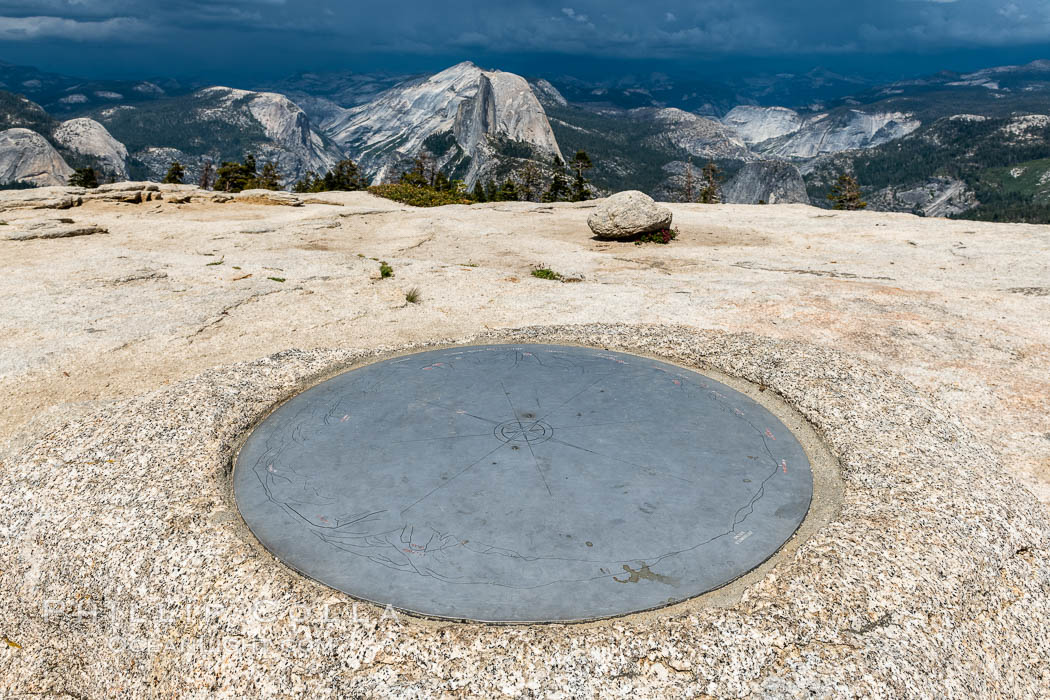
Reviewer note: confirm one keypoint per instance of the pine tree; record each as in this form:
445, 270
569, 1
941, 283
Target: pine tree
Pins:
442, 183
508, 192
581, 163
424, 171
491, 191
558, 191
344, 177
84, 177
175, 173
845, 194
530, 177
711, 184
310, 183
206, 175
268, 179
236, 177
479, 192
689, 188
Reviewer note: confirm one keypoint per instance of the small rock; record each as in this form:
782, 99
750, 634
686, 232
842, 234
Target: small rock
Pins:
628, 214
126, 196
61, 228
41, 198
268, 197
129, 187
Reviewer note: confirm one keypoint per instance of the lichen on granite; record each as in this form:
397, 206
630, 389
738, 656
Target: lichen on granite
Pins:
125, 569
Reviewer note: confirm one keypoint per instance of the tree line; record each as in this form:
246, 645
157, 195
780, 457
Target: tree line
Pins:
705, 189
558, 182
529, 183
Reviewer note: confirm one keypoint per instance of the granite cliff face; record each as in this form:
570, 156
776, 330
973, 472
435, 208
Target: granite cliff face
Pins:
219, 123
784, 133
937, 196
26, 156
757, 124
766, 182
470, 119
87, 137
698, 136
547, 94
291, 141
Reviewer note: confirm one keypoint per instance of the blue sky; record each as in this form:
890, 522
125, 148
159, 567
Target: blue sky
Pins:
129, 38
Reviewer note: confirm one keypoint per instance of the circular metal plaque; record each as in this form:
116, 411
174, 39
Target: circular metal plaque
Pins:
530, 483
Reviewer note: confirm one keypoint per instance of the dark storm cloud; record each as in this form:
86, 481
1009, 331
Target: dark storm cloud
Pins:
564, 26
192, 34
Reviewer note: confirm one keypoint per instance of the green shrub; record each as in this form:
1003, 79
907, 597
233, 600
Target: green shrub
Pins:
84, 177
663, 236
417, 196
412, 295
385, 270
545, 273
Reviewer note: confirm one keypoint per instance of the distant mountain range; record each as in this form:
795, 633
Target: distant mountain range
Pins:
974, 144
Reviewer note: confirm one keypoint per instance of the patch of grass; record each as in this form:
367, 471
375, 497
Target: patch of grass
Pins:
663, 236
385, 270
276, 279
418, 196
412, 295
545, 273
217, 262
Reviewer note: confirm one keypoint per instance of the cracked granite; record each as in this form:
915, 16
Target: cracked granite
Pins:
125, 570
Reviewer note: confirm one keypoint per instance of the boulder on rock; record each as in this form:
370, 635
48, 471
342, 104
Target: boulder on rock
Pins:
628, 214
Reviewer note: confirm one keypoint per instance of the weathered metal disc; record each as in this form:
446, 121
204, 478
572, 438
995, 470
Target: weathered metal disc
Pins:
522, 483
